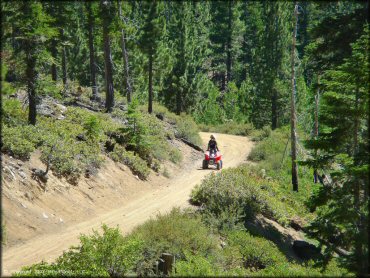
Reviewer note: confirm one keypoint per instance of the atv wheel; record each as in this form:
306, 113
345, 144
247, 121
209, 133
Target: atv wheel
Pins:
219, 165
205, 164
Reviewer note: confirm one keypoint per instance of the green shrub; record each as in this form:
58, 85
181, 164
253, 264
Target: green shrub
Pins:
12, 112
188, 129
260, 134
175, 156
231, 127
257, 252
176, 233
195, 265
137, 165
20, 141
93, 127
107, 255
238, 189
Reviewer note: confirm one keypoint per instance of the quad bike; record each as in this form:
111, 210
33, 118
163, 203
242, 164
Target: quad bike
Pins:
212, 157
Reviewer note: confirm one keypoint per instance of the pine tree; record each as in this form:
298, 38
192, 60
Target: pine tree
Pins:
342, 149
149, 42
106, 14
90, 24
33, 28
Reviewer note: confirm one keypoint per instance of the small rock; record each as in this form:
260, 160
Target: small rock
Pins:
137, 177
61, 117
20, 163
263, 173
22, 174
61, 220
23, 205
45, 215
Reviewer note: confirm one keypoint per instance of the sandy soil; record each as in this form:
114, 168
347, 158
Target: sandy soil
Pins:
126, 206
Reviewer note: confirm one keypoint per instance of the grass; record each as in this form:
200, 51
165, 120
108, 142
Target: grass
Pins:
229, 128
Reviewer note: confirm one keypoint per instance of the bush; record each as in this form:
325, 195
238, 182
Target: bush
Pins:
260, 134
137, 165
195, 265
176, 233
188, 129
20, 141
12, 112
229, 128
241, 192
257, 252
107, 255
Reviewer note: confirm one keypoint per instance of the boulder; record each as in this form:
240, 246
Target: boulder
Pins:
305, 250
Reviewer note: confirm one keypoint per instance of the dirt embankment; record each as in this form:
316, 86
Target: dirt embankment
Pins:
42, 221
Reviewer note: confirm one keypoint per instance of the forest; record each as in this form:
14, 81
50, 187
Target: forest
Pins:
295, 75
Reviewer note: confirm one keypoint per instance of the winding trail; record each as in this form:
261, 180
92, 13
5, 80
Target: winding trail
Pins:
175, 193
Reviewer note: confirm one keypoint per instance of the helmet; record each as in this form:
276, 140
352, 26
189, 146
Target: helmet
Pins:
212, 137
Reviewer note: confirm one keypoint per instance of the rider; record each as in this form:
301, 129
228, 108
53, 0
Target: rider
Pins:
212, 144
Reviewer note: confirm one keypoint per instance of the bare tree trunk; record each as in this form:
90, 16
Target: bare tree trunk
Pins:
125, 57
316, 134
150, 68
228, 59
109, 94
31, 83
64, 59
90, 26
293, 119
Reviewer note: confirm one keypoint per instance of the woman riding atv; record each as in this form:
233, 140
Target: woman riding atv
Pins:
212, 145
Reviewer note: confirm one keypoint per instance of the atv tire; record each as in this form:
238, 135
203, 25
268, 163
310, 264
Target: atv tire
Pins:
219, 165
205, 164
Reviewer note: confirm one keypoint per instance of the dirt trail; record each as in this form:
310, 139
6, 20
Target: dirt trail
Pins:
174, 194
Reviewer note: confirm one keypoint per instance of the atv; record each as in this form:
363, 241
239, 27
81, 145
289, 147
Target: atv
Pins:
212, 157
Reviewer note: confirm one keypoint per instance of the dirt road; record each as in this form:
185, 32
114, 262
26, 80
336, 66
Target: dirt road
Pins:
173, 194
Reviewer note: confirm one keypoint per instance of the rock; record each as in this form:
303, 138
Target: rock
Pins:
263, 173
11, 172
61, 117
45, 110
81, 137
22, 174
45, 215
20, 164
61, 107
23, 205
137, 177
61, 220
305, 250
297, 224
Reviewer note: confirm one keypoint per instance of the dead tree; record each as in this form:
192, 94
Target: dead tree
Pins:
293, 118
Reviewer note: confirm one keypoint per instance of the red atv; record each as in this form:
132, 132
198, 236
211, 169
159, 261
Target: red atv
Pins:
212, 157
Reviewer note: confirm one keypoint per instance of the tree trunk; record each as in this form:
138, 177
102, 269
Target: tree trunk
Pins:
90, 26
31, 83
274, 109
292, 108
54, 54
64, 59
125, 57
315, 173
150, 70
109, 94
228, 61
